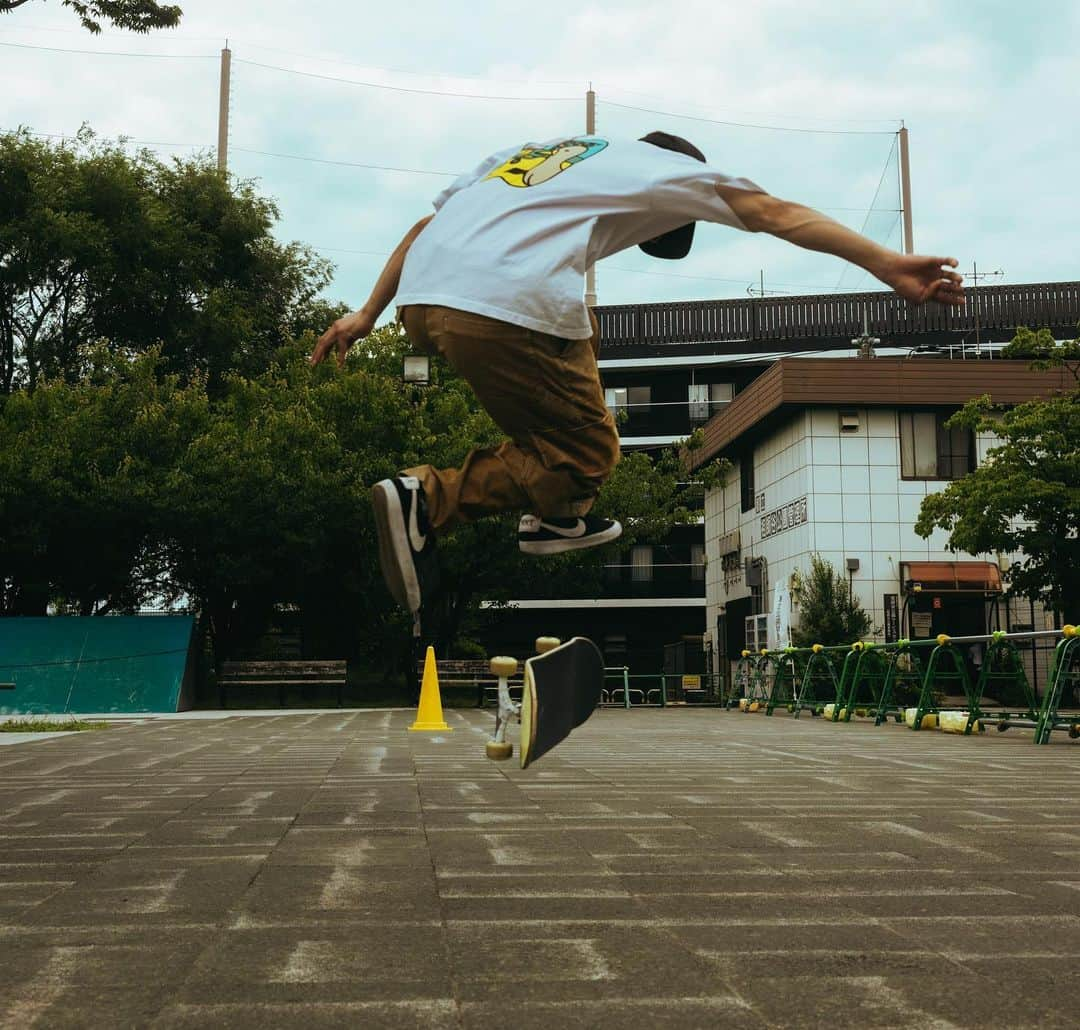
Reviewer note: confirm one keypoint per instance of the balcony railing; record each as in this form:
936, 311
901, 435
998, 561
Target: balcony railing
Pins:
1037, 305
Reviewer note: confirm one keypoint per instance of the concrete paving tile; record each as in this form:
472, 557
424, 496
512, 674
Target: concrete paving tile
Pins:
333, 869
991, 934
612, 1013
421, 1014
362, 961
83, 1009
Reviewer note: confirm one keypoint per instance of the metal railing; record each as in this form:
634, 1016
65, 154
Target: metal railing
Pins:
1038, 305
870, 680
624, 689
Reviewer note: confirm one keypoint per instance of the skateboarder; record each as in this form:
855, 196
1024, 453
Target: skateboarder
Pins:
494, 282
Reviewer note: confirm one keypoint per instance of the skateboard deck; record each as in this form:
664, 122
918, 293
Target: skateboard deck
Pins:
560, 691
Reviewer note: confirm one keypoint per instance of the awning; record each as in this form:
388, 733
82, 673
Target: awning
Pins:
981, 576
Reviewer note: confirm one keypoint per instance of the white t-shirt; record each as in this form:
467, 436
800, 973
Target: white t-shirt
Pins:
512, 238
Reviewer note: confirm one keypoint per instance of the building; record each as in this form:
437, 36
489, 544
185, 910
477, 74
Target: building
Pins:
672, 367
833, 456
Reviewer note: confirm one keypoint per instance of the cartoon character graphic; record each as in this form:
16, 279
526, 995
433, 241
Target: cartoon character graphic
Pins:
535, 164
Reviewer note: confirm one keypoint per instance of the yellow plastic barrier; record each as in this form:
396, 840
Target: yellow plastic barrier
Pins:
956, 722
929, 721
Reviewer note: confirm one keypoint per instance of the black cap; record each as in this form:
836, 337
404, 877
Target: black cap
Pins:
675, 244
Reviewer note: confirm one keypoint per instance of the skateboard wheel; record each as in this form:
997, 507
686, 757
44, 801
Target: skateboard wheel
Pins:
754, 706
501, 665
498, 751
545, 644
1074, 731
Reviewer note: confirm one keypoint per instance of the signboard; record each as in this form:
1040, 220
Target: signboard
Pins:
920, 625
691, 682
892, 618
784, 518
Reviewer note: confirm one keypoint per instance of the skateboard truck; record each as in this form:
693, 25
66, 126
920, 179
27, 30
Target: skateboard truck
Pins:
498, 748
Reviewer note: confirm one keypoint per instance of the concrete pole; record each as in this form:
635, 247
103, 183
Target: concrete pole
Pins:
223, 111
905, 191
590, 129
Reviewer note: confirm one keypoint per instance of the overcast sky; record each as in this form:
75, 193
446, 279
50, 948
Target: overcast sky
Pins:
989, 91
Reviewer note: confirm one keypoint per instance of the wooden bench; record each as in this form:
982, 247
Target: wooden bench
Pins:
473, 671
282, 675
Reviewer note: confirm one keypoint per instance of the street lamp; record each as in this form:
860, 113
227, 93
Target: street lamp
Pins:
416, 369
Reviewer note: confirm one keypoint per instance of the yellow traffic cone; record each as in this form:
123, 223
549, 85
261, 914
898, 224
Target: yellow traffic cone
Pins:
429, 715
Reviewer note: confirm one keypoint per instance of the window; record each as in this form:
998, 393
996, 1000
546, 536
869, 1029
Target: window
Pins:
746, 480
699, 402
721, 394
706, 399
697, 563
641, 564
930, 451
634, 400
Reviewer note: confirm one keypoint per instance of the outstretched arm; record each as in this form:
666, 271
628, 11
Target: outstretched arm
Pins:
914, 277
350, 328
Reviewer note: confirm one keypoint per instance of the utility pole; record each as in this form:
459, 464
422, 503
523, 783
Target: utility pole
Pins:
223, 110
905, 190
590, 129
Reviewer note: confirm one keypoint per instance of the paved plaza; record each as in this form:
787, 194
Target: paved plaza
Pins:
661, 868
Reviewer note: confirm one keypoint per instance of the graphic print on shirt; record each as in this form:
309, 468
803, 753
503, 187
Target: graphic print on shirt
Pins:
535, 164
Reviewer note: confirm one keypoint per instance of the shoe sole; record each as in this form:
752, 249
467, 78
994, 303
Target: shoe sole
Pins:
395, 554
580, 543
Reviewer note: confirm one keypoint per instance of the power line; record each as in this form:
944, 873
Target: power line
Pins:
401, 89
798, 117
120, 139
406, 71
749, 125
113, 53
346, 164
712, 278
180, 36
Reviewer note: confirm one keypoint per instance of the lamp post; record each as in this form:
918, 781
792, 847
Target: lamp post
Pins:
416, 369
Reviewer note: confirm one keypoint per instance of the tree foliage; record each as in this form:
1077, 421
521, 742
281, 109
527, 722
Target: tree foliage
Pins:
100, 245
136, 486
1026, 496
163, 437
829, 613
135, 15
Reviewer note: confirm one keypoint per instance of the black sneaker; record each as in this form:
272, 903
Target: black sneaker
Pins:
538, 535
406, 544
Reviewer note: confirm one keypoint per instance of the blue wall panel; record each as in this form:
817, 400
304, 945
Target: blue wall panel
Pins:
136, 663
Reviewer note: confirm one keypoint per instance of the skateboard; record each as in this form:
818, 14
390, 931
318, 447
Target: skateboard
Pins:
561, 689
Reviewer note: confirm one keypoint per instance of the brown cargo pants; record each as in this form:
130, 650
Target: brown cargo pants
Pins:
544, 393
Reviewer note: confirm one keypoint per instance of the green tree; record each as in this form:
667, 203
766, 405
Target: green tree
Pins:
98, 244
82, 468
1025, 498
829, 613
136, 15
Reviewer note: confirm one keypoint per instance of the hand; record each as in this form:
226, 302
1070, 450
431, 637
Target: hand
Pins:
920, 279
342, 335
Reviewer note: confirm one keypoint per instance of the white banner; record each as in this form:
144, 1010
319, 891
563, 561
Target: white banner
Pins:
780, 621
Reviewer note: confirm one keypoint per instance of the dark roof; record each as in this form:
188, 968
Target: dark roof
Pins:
796, 383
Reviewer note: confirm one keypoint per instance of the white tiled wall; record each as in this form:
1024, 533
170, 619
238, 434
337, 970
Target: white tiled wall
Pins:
858, 507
